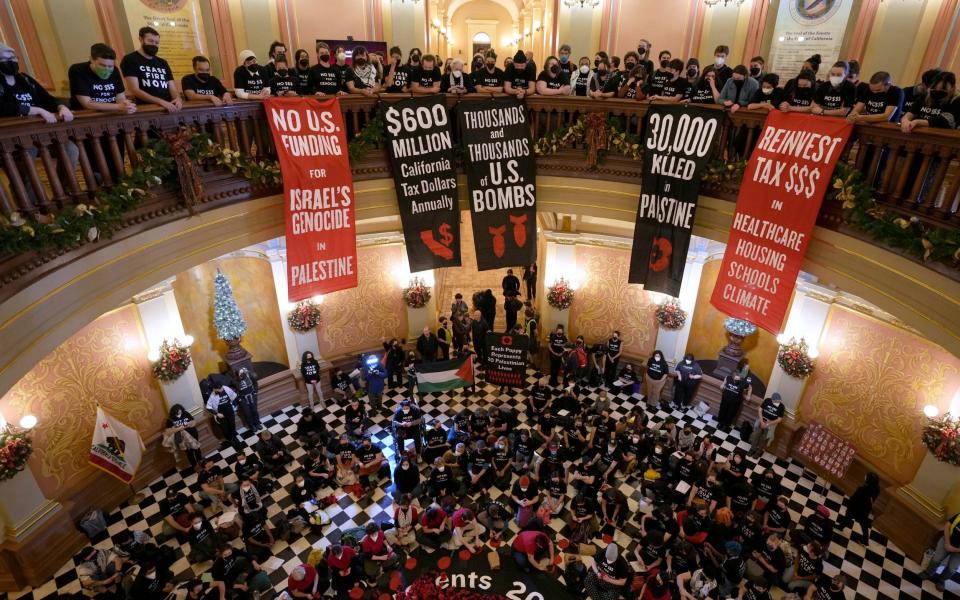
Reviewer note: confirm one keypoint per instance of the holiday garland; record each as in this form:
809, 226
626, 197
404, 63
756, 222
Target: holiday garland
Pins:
942, 436
598, 132
794, 358
560, 295
670, 315
15, 449
173, 361
417, 294
369, 137
304, 316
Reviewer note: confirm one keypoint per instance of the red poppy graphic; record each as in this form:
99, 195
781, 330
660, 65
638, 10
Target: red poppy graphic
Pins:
507, 340
660, 254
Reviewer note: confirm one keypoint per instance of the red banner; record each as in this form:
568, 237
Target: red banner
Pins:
780, 195
321, 236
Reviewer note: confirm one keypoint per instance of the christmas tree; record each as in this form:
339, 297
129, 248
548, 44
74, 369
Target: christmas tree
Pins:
226, 315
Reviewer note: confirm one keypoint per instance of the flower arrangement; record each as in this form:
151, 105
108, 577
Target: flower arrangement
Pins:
794, 358
560, 294
942, 436
670, 315
304, 316
172, 361
15, 449
417, 294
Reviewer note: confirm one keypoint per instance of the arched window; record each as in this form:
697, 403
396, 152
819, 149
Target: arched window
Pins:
481, 42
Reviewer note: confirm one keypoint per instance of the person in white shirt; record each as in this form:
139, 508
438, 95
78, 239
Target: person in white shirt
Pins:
221, 407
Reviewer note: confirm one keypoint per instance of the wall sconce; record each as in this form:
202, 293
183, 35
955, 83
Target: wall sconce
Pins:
28, 422
931, 411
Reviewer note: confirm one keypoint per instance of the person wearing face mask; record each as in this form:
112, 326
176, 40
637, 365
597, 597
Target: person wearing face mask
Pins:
757, 64
919, 91
406, 426
552, 81
340, 60
674, 89
812, 65
769, 415
361, 76
769, 96
310, 371
97, 84
238, 574
153, 582
249, 80
277, 48
519, 79
939, 108
405, 516
633, 85
739, 89
99, 572
148, 77
301, 72
396, 76
604, 83
693, 72
731, 398
704, 90
689, 375
836, 96
249, 468
566, 65
457, 81
656, 377
326, 79
799, 98
613, 351
283, 81
273, 454
878, 101
724, 72
202, 85
662, 74
204, 540
828, 588
489, 79
181, 422
427, 79
580, 80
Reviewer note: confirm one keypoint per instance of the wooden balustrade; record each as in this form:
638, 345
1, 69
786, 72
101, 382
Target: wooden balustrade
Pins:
44, 168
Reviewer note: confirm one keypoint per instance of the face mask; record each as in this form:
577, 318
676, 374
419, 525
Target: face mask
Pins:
630, 66
281, 72
835, 80
602, 70
150, 49
203, 76
664, 63
564, 58
301, 484
103, 72
246, 488
151, 575
242, 460
554, 69
405, 466
305, 62
937, 95
691, 72
754, 71
406, 411
767, 91
10, 67
198, 525
720, 60
357, 61
585, 69
657, 357
457, 74
415, 59
254, 68
341, 56
687, 360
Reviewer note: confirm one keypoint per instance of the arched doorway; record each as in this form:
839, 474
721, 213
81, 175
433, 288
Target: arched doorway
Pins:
480, 43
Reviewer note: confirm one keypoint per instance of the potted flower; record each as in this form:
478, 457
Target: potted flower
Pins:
942, 437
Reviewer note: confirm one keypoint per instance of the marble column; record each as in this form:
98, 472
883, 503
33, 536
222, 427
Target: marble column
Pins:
561, 262
296, 343
160, 318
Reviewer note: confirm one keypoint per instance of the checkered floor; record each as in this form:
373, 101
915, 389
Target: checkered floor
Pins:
879, 571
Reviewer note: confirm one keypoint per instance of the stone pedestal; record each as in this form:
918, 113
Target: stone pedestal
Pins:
726, 362
237, 356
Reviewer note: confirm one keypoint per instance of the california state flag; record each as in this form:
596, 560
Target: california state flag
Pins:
117, 449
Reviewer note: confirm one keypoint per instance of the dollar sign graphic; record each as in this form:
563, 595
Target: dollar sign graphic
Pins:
446, 238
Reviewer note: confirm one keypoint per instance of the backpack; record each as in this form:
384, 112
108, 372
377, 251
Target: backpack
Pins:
746, 430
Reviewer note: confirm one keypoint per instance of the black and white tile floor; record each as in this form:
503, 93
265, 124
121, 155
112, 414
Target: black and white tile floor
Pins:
879, 571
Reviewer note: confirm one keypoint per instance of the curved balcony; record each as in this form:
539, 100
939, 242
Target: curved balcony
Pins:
916, 176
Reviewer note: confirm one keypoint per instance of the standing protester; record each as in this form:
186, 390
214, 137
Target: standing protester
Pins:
581, 79
860, 505
938, 108
202, 85
520, 77
731, 397
530, 280
553, 81
489, 79
457, 81
613, 350
511, 308
326, 79
719, 65
946, 553
605, 84
769, 96
836, 96
248, 391
276, 49
310, 371
361, 76
393, 360
148, 77
769, 416
301, 71
689, 375
478, 332
662, 74
283, 82
739, 89
643, 51
249, 80
185, 436
426, 79
396, 76
444, 338
566, 65
557, 347
799, 97
510, 283
878, 101
757, 64
675, 88
704, 90
220, 406
427, 345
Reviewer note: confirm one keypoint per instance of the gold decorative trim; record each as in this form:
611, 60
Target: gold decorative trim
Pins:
921, 500
40, 514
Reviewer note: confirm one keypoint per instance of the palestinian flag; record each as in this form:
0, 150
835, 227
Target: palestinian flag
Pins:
444, 375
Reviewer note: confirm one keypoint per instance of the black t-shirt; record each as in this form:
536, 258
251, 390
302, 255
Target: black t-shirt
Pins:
401, 77
557, 342
283, 83
228, 569
325, 80
532, 491
618, 569
523, 446
210, 87
346, 451
659, 77
944, 115
199, 536
657, 370
775, 97
701, 94
731, 389
831, 98
808, 565
303, 80
650, 554
311, 370
579, 81
672, 89
426, 78
485, 78
767, 488
152, 74
255, 529
613, 346
774, 557
367, 454
823, 591
799, 96
519, 78
877, 103
175, 506
771, 411
436, 437
84, 82
250, 81
554, 83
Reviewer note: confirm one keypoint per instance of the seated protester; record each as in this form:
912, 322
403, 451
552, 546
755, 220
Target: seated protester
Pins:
249, 501
466, 531
198, 590
345, 566
284, 81
818, 526
396, 75
608, 577
311, 430
740, 498
675, 88
656, 467
687, 440
553, 81
807, 567
776, 517
661, 521
767, 562
662, 74
576, 438
460, 433
707, 493
723, 71
582, 518
604, 428
177, 509
212, 486
239, 574
533, 550
634, 449
613, 509
406, 425
458, 460
555, 493
523, 449
499, 423
342, 386
405, 516
478, 470
319, 472
301, 72
457, 81
427, 78
767, 485
584, 477
749, 532
799, 97
302, 493
608, 459
719, 531
735, 469
754, 590
346, 461
249, 468
552, 460
434, 531
436, 442
442, 482
938, 108
682, 558
707, 450
539, 399
739, 89
698, 585
272, 453
732, 568
525, 495
877, 102
686, 470
490, 77
305, 582
98, 85
768, 97
580, 79
828, 588
693, 525
355, 417
361, 77
100, 572
326, 78
495, 517
704, 90
478, 422
519, 78
837, 95
133, 546
655, 587
371, 463
249, 79
153, 582
258, 537
378, 554
406, 478
651, 554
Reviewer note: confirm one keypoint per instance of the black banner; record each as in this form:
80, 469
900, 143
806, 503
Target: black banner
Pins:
501, 178
421, 153
678, 143
506, 359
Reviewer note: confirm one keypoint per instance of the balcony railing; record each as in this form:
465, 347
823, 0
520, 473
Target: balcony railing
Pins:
915, 175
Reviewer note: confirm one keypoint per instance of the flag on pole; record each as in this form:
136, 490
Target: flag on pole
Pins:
116, 449
444, 375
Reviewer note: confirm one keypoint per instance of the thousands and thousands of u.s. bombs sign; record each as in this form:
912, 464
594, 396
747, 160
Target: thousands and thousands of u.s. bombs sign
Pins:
318, 190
